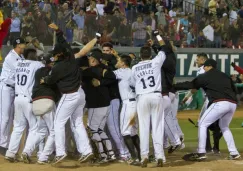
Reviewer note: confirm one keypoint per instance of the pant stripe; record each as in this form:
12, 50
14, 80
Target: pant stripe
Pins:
208, 112
117, 132
91, 117
1, 112
124, 116
170, 130
61, 105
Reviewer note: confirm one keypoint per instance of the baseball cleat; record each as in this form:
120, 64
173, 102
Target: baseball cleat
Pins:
103, 160
85, 158
194, 157
182, 146
216, 152
25, 157
111, 158
58, 159
234, 157
10, 159
173, 148
144, 162
134, 162
123, 159
42, 162
159, 163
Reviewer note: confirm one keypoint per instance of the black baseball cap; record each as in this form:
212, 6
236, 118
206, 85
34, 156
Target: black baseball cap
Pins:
97, 54
18, 41
211, 62
58, 48
46, 58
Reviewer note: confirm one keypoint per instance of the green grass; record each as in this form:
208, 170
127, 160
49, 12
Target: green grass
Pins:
191, 135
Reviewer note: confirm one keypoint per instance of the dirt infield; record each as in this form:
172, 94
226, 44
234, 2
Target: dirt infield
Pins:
174, 161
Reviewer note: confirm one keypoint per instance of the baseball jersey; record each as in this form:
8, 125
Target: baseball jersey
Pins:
146, 75
123, 75
200, 70
9, 68
25, 76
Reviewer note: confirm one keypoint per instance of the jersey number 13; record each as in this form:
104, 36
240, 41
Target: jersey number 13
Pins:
151, 82
21, 80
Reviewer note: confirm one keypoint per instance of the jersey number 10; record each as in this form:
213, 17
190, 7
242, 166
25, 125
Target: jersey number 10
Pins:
151, 82
21, 80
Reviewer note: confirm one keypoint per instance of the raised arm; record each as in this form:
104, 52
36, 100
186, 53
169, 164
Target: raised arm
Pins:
88, 47
237, 68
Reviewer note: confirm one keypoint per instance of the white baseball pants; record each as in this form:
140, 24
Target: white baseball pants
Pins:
97, 118
6, 113
71, 107
150, 111
23, 116
170, 128
204, 108
128, 112
223, 111
174, 103
46, 128
114, 128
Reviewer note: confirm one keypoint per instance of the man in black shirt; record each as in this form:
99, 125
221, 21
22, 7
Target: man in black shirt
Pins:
221, 94
113, 124
66, 75
98, 102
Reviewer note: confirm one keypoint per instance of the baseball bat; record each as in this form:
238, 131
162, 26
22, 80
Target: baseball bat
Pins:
192, 122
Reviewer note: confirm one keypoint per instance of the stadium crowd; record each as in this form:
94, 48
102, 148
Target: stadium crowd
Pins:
199, 23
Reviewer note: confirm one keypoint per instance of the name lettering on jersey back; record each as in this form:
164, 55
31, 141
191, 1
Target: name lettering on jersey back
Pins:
23, 67
144, 70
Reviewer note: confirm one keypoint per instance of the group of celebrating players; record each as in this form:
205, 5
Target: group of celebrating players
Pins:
47, 95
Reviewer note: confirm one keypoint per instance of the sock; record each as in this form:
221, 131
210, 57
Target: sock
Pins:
136, 142
129, 143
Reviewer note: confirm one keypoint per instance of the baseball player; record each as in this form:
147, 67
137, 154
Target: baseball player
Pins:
129, 107
44, 100
7, 94
98, 102
23, 116
146, 78
168, 73
113, 117
201, 58
221, 94
66, 75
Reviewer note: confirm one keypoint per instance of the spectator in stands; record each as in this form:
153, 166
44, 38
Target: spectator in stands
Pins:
232, 15
202, 23
160, 15
218, 34
91, 22
109, 7
131, 7
208, 32
234, 33
151, 22
42, 31
139, 32
185, 23
79, 19
225, 26
60, 21
20, 11
106, 37
201, 40
212, 5
172, 12
28, 28
15, 27
191, 38
125, 32
240, 13
26, 3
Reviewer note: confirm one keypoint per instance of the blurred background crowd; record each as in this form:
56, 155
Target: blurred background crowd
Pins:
187, 23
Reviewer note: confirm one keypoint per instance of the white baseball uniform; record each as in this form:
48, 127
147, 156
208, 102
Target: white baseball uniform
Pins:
23, 115
146, 78
129, 104
7, 83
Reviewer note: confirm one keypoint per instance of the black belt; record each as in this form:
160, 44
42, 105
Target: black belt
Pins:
156, 92
9, 86
131, 100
